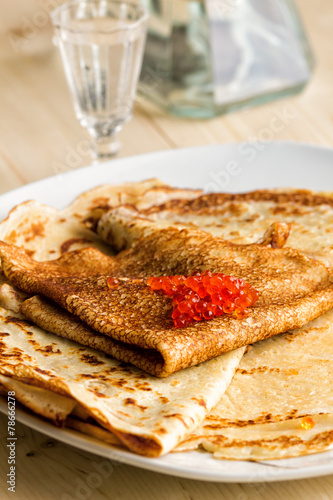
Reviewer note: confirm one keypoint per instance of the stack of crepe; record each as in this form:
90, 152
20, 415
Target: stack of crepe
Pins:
108, 361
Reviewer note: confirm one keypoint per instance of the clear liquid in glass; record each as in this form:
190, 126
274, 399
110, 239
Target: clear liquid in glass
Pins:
102, 71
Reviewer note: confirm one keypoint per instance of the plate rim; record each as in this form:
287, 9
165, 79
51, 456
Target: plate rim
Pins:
108, 451
152, 154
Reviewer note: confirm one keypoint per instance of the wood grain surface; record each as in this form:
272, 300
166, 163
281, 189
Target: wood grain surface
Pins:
40, 136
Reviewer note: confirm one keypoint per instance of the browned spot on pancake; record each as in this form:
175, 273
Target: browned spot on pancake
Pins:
119, 383
37, 229
43, 372
11, 356
88, 375
288, 210
48, 349
161, 430
266, 369
91, 359
132, 402
280, 210
129, 401
235, 209
164, 400
206, 202
33, 342
62, 220
179, 417
256, 369
31, 253
97, 393
12, 237
221, 423
51, 251
252, 218
73, 241
123, 413
91, 222
17, 321
4, 334
102, 202
200, 401
113, 368
283, 441
142, 386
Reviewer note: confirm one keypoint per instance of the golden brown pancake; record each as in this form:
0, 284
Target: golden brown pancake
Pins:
245, 217
294, 289
280, 401
276, 386
46, 233
149, 415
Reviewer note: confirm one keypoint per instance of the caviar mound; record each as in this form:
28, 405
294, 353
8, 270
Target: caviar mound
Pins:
204, 296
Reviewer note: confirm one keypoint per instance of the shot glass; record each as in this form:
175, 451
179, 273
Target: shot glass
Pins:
101, 43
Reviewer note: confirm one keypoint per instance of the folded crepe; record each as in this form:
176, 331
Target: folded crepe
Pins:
91, 205
244, 217
148, 415
294, 289
49, 404
46, 233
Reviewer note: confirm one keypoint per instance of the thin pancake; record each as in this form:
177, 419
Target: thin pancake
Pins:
149, 415
294, 289
49, 404
244, 217
91, 205
47, 233
279, 384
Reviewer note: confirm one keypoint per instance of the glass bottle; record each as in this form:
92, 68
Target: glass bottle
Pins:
208, 57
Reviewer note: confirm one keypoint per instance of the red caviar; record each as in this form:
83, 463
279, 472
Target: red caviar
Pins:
307, 423
112, 283
205, 296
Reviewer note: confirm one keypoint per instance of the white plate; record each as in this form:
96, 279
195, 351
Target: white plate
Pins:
228, 167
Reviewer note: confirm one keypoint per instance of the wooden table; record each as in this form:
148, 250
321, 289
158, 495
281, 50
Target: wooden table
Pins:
39, 136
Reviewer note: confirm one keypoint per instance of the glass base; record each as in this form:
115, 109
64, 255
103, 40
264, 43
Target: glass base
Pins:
104, 148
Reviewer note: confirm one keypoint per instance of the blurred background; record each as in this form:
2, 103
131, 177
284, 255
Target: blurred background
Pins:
40, 136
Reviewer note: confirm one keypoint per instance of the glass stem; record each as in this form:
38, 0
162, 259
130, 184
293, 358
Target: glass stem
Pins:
104, 148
